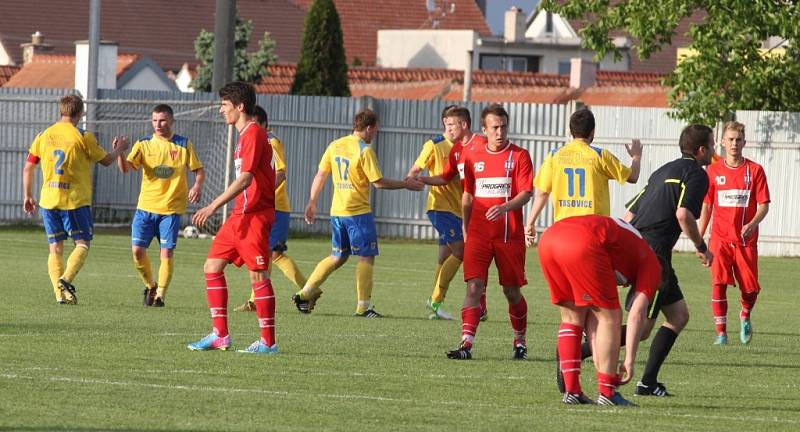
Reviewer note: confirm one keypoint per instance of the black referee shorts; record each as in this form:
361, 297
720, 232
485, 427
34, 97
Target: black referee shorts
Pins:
668, 291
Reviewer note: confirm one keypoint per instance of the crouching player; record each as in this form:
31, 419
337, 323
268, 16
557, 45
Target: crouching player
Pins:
244, 237
583, 259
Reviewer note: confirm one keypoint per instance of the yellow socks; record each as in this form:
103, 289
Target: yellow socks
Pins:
446, 274
144, 269
290, 270
363, 285
75, 262
55, 268
164, 275
438, 295
318, 276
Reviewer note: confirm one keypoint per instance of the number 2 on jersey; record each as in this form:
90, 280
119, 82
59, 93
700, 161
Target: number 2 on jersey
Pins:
571, 174
343, 161
61, 156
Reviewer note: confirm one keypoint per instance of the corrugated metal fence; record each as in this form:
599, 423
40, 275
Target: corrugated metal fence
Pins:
307, 124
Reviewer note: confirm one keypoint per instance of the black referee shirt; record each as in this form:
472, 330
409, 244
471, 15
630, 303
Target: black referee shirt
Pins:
680, 183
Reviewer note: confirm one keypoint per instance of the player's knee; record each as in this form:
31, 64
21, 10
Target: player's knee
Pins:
513, 294
138, 253
213, 266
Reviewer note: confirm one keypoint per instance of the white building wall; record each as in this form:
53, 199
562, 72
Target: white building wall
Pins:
146, 79
106, 67
443, 49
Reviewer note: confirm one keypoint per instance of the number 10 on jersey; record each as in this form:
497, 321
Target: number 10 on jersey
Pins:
580, 173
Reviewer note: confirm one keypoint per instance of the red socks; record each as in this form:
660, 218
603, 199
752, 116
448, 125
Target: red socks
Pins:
719, 306
217, 292
748, 301
518, 314
483, 301
470, 317
607, 384
265, 309
569, 351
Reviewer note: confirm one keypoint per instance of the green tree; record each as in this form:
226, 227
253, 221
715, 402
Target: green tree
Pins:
322, 70
249, 67
730, 71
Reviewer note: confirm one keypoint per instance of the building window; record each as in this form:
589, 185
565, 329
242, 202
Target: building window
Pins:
509, 63
564, 67
548, 23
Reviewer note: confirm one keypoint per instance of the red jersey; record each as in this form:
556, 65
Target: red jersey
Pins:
494, 178
455, 161
254, 155
734, 195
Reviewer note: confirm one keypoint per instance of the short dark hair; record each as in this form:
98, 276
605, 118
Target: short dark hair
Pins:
365, 117
581, 123
164, 108
693, 137
460, 113
239, 92
446, 109
261, 116
71, 106
495, 109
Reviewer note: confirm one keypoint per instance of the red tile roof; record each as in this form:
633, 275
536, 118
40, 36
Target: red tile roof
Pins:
361, 20
58, 71
162, 30
6, 72
612, 88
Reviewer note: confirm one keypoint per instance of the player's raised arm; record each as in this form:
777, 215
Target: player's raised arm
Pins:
119, 145
635, 152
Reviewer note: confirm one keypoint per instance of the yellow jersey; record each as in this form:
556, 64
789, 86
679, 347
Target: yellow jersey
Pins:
279, 156
353, 166
576, 176
164, 164
433, 158
66, 153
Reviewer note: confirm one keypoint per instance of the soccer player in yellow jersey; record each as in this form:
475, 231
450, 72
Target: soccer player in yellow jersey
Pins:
66, 154
444, 211
164, 158
353, 166
280, 228
576, 175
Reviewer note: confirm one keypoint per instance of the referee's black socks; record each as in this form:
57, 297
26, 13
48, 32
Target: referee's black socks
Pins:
659, 350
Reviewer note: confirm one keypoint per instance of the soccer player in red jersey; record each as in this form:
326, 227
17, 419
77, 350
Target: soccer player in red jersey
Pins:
737, 200
244, 237
458, 127
583, 259
498, 182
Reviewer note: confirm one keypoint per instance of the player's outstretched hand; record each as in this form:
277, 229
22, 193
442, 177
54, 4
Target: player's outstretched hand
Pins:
29, 205
310, 213
635, 148
625, 372
120, 143
530, 235
414, 184
495, 212
705, 257
195, 193
199, 219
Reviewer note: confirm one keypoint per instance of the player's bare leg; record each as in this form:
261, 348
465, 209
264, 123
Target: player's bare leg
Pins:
606, 355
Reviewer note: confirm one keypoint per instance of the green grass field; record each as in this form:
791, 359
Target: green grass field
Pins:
111, 364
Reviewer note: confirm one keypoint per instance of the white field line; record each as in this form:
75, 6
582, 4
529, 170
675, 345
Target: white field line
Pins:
467, 403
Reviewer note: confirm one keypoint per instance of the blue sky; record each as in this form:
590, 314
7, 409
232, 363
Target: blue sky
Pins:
495, 9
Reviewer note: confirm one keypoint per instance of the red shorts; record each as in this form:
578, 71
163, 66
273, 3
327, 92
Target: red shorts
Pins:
509, 258
244, 239
581, 272
734, 260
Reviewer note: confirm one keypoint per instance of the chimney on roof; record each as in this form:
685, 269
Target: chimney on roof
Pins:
582, 73
35, 46
106, 66
514, 28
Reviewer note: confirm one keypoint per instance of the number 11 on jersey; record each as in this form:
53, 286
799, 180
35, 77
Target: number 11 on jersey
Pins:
580, 173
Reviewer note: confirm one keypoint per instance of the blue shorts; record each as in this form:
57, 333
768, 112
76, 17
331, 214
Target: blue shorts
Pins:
448, 225
280, 232
58, 224
147, 225
354, 235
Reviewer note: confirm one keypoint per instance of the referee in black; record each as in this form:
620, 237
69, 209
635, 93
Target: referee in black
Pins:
668, 205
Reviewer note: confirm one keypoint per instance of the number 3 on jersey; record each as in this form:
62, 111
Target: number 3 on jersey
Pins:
343, 173
60, 157
571, 174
